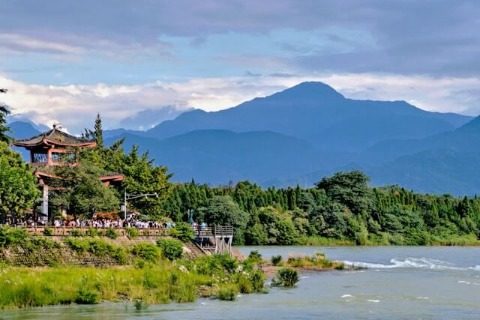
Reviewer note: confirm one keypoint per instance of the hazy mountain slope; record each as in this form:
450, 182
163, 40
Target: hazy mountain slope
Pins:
22, 129
445, 163
220, 156
315, 112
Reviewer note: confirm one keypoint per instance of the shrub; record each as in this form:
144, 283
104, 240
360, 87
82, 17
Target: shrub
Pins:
76, 233
120, 255
99, 248
86, 296
276, 260
111, 233
47, 232
171, 248
78, 245
286, 277
227, 292
92, 232
255, 256
132, 233
184, 232
140, 304
12, 236
217, 263
257, 278
146, 251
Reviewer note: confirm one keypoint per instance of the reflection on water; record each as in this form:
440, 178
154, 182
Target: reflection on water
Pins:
402, 283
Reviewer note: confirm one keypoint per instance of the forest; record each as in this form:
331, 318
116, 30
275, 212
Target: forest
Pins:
339, 209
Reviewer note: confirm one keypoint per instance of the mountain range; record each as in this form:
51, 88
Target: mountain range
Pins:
303, 133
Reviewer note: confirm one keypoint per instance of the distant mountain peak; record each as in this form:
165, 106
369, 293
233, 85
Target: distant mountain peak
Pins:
310, 90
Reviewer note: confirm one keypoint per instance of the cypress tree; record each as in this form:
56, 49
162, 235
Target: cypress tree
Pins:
98, 131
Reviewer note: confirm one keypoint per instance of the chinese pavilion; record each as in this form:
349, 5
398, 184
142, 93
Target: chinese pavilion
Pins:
56, 148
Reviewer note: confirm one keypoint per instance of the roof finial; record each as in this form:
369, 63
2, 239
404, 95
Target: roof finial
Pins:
57, 126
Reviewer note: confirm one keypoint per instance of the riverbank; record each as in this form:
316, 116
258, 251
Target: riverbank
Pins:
146, 282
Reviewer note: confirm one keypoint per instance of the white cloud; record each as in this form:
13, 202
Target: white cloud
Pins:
75, 106
22, 43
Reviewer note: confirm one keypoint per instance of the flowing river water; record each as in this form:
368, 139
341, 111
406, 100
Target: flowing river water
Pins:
400, 283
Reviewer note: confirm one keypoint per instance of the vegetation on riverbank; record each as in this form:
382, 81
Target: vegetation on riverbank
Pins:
151, 283
89, 270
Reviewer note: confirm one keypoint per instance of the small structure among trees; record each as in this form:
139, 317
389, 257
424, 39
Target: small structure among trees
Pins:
56, 148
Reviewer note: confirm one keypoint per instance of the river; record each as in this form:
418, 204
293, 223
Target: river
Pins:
400, 283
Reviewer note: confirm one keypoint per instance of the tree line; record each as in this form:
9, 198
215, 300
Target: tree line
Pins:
342, 208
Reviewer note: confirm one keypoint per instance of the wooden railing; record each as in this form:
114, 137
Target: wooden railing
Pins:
205, 232
69, 231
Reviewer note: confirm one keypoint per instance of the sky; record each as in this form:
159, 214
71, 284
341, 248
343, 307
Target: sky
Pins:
140, 62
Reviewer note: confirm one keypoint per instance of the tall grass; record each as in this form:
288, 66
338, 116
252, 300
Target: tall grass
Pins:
161, 282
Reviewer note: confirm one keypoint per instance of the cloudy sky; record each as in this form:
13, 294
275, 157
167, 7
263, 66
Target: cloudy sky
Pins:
137, 62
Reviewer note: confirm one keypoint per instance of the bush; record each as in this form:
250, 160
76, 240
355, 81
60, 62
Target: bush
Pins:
255, 257
111, 233
47, 232
227, 292
257, 278
146, 251
286, 277
171, 248
120, 255
92, 232
276, 260
183, 231
99, 248
12, 236
132, 233
86, 296
76, 233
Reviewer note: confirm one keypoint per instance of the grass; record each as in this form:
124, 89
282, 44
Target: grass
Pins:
317, 261
152, 279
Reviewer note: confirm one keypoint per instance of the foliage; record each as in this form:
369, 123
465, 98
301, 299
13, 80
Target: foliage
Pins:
3, 124
276, 260
183, 231
146, 251
222, 210
18, 186
81, 191
286, 277
255, 257
12, 236
86, 296
227, 292
132, 233
172, 249
111, 233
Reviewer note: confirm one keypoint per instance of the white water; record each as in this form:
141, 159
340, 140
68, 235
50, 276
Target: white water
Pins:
411, 262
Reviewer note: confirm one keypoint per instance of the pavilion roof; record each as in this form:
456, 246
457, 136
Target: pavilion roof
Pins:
54, 137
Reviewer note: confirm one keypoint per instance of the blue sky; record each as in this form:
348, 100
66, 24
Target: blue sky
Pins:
63, 61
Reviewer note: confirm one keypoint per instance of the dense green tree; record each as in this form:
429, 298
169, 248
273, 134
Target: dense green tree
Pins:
350, 189
3, 124
222, 210
278, 226
18, 186
80, 191
98, 131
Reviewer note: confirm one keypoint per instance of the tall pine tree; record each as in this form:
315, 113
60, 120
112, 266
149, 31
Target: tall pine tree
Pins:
98, 131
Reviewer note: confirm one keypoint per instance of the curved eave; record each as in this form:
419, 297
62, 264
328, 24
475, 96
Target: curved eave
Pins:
51, 143
112, 178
